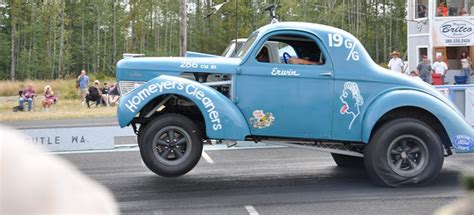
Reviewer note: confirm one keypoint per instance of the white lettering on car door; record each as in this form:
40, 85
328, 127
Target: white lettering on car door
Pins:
290, 72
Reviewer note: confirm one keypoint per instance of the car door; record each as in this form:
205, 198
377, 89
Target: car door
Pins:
286, 100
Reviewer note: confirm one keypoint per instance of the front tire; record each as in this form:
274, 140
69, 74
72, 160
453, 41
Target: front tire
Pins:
171, 145
140, 135
403, 152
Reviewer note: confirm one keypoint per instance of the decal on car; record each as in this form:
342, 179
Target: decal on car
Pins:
463, 143
133, 102
195, 65
281, 72
337, 40
261, 119
351, 100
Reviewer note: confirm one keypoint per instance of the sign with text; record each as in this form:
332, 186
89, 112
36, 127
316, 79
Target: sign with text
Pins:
73, 139
458, 32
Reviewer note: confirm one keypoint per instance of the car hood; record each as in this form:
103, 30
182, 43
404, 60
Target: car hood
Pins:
199, 54
146, 68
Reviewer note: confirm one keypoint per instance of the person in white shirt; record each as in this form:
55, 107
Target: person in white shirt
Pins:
396, 64
440, 67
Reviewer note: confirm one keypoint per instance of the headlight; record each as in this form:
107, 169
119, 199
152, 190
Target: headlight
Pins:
126, 87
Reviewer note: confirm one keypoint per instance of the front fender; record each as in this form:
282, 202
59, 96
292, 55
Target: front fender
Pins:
222, 118
459, 132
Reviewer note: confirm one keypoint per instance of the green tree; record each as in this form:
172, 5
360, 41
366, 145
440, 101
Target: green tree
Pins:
56, 39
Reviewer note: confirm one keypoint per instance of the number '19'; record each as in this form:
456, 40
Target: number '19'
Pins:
335, 40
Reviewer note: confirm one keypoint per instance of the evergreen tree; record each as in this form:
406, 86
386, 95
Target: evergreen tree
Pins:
56, 39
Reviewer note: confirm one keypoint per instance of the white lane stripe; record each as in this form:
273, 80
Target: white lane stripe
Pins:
251, 210
208, 158
96, 151
134, 147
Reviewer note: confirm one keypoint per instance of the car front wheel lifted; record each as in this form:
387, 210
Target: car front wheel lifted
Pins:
171, 145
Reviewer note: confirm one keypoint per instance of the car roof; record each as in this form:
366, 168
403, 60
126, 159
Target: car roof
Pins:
306, 26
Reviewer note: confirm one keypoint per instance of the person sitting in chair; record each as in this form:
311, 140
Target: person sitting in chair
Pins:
114, 94
49, 98
27, 95
105, 95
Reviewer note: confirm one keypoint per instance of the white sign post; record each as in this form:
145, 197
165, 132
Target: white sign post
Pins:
74, 138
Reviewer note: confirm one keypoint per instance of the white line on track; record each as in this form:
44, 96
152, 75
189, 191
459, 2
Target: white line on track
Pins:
207, 158
134, 147
251, 210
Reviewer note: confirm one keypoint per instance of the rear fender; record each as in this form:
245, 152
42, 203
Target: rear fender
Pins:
222, 118
460, 133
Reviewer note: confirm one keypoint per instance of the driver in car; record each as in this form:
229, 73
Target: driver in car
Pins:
296, 60
263, 56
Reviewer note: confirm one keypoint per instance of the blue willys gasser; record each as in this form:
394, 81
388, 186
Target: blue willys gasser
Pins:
329, 95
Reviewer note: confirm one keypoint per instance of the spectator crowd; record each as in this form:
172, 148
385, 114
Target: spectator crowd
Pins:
105, 95
434, 73
101, 95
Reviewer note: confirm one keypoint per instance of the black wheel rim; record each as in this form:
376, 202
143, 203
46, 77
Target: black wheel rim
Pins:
171, 145
407, 155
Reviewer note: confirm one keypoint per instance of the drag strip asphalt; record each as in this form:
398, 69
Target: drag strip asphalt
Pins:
263, 180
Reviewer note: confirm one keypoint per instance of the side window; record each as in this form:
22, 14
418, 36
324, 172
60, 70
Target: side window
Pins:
290, 49
421, 8
422, 51
455, 8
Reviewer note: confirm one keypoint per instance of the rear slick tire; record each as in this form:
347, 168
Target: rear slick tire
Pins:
404, 152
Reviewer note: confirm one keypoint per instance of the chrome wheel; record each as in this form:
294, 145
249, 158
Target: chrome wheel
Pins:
171, 145
407, 155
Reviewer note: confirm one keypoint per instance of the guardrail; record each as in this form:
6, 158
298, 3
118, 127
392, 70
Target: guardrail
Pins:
462, 96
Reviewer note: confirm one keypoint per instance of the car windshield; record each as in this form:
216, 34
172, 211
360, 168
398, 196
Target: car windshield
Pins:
246, 47
227, 49
230, 48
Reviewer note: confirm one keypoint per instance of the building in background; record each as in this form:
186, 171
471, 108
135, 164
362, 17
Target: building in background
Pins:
440, 27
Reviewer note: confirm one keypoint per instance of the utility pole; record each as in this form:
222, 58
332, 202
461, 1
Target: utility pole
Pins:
61, 44
83, 51
13, 5
236, 25
114, 35
183, 33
